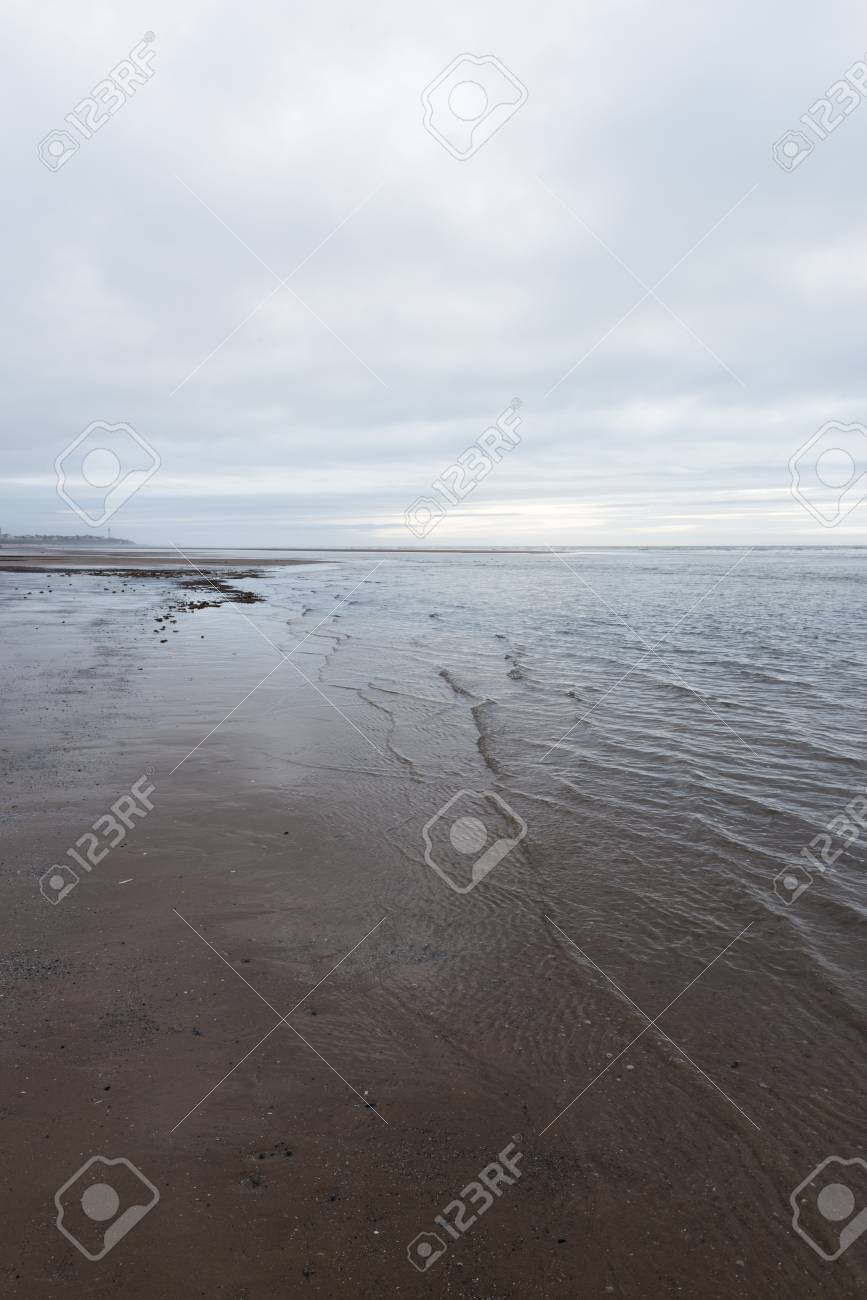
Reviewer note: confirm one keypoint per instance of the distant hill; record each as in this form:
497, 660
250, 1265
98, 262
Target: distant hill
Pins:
55, 539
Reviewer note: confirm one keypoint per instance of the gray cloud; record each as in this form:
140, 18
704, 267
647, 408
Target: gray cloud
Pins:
432, 291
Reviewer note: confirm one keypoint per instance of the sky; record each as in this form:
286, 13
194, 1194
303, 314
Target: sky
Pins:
315, 251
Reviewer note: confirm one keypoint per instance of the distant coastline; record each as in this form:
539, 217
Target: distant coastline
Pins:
58, 539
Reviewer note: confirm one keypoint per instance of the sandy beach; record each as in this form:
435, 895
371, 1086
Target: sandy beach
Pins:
263, 997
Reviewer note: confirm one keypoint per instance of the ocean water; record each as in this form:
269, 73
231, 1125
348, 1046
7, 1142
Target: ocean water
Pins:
673, 726
710, 699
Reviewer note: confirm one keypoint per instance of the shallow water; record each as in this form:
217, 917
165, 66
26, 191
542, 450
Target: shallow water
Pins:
673, 726
708, 704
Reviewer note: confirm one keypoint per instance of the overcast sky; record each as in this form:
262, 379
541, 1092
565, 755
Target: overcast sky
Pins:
427, 291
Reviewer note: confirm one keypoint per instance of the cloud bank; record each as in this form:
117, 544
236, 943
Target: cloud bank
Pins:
309, 306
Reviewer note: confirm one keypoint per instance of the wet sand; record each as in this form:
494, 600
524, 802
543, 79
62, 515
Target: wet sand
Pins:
303, 1156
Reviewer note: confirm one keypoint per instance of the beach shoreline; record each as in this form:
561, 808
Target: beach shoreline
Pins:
296, 753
